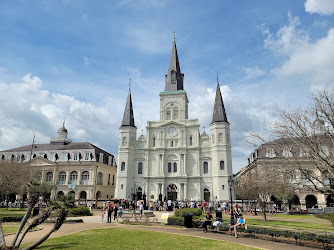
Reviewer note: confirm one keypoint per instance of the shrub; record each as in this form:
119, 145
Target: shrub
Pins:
181, 212
177, 221
79, 211
327, 216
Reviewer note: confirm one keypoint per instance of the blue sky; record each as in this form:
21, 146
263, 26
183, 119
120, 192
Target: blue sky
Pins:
73, 59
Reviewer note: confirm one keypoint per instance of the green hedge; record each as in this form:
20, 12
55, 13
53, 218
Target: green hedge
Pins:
181, 212
176, 221
327, 216
12, 218
79, 211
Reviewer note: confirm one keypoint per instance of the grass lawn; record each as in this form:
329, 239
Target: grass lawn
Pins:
12, 215
116, 238
305, 222
4, 210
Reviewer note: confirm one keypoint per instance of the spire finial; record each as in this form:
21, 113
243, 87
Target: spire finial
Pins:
64, 123
174, 33
130, 84
142, 132
204, 129
217, 76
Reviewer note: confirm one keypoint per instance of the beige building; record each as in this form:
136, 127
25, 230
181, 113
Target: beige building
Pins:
80, 168
286, 156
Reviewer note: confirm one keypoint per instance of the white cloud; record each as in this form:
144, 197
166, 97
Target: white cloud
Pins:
85, 59
28, 109
322, 7
253, 72
3, 69
311, 59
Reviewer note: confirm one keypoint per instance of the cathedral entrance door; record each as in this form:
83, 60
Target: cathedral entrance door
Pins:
172, 192
206, 194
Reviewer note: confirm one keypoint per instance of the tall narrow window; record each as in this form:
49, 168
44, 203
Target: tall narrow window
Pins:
75, 157
62, 176
213, 139
64, 156
176, 114
169, 167
153, 141
113, 180
140, 168
49, 176
206, 167
220, 137
171, 144
109, 179
168, 115
86, 156
222, 165
175, 167
123, 166
73, 177
190, 140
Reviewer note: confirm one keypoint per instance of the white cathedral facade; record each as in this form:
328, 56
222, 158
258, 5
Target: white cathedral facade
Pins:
175, 161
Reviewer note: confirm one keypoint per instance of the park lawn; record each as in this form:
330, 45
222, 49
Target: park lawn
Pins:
295, 216
116, 238
18, 210
12, 215
295, 223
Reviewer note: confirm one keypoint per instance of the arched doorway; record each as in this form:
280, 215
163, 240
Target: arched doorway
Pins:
60, 193
311, 201
83, 195
276, 201
98, 195
206, 194
172, 192
139, 193
294, 202
330, 201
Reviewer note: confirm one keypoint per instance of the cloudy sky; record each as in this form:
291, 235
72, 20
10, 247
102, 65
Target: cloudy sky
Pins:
73, 59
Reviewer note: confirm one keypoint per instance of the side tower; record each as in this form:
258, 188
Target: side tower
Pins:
220, 148
126, 152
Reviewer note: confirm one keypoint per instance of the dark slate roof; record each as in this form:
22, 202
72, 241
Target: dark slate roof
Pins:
219, 114
48, 147
128, 118
174, 65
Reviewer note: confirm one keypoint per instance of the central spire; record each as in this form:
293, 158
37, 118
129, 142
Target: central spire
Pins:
174, 77
219, 114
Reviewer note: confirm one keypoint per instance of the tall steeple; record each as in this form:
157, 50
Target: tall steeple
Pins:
174, 77
128, 118
219, 114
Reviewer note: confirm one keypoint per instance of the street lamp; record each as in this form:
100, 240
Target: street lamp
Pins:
230, 183
144, 196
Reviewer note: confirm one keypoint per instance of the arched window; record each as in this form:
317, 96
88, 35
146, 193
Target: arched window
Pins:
171, 144
220, 137
49, 176
169, 167
99, 178
175, 167
222, 165
140, 168
176, 114
206, 167
168, 115
62, 176
124, 142
74, 176
85, 176
123, 166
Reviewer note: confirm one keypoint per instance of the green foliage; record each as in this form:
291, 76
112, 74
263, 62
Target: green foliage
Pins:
64, 201
327, 216
40, 189
176, 221
79, 211
182, 212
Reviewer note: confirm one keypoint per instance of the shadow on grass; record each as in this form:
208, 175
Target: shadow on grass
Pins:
58, 246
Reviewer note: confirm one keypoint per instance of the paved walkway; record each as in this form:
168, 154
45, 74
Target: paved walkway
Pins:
93, 222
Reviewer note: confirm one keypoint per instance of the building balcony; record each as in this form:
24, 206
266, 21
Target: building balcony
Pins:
84, 182
72, 182
61, 182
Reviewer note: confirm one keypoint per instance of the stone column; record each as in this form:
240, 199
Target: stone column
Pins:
163, 164
163, 191
185, 187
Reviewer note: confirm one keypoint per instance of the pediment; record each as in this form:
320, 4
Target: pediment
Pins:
40, 161
169, 123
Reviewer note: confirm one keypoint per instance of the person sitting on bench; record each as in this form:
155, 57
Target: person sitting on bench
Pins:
208, 221
240, 223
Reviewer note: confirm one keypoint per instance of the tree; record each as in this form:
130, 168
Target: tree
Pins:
13, 177
309, 134
260, 185
35, 189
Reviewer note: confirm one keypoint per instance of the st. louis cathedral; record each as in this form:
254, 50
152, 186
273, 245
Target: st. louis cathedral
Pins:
175, 161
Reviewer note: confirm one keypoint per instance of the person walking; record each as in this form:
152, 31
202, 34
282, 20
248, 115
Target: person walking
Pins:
141, 208
102, 215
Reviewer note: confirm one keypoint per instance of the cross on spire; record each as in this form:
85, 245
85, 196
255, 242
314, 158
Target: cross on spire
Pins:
142, 132
204, 129
217, 76
174, 33
130, 83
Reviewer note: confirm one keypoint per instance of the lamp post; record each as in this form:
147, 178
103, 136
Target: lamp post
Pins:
230, 183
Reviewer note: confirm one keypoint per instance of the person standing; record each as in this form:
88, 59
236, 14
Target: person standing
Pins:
102, 215
133, 205
110, 210
169, 203
115, 212
141, 208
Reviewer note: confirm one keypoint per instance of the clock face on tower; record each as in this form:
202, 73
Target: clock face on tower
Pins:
172, 131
